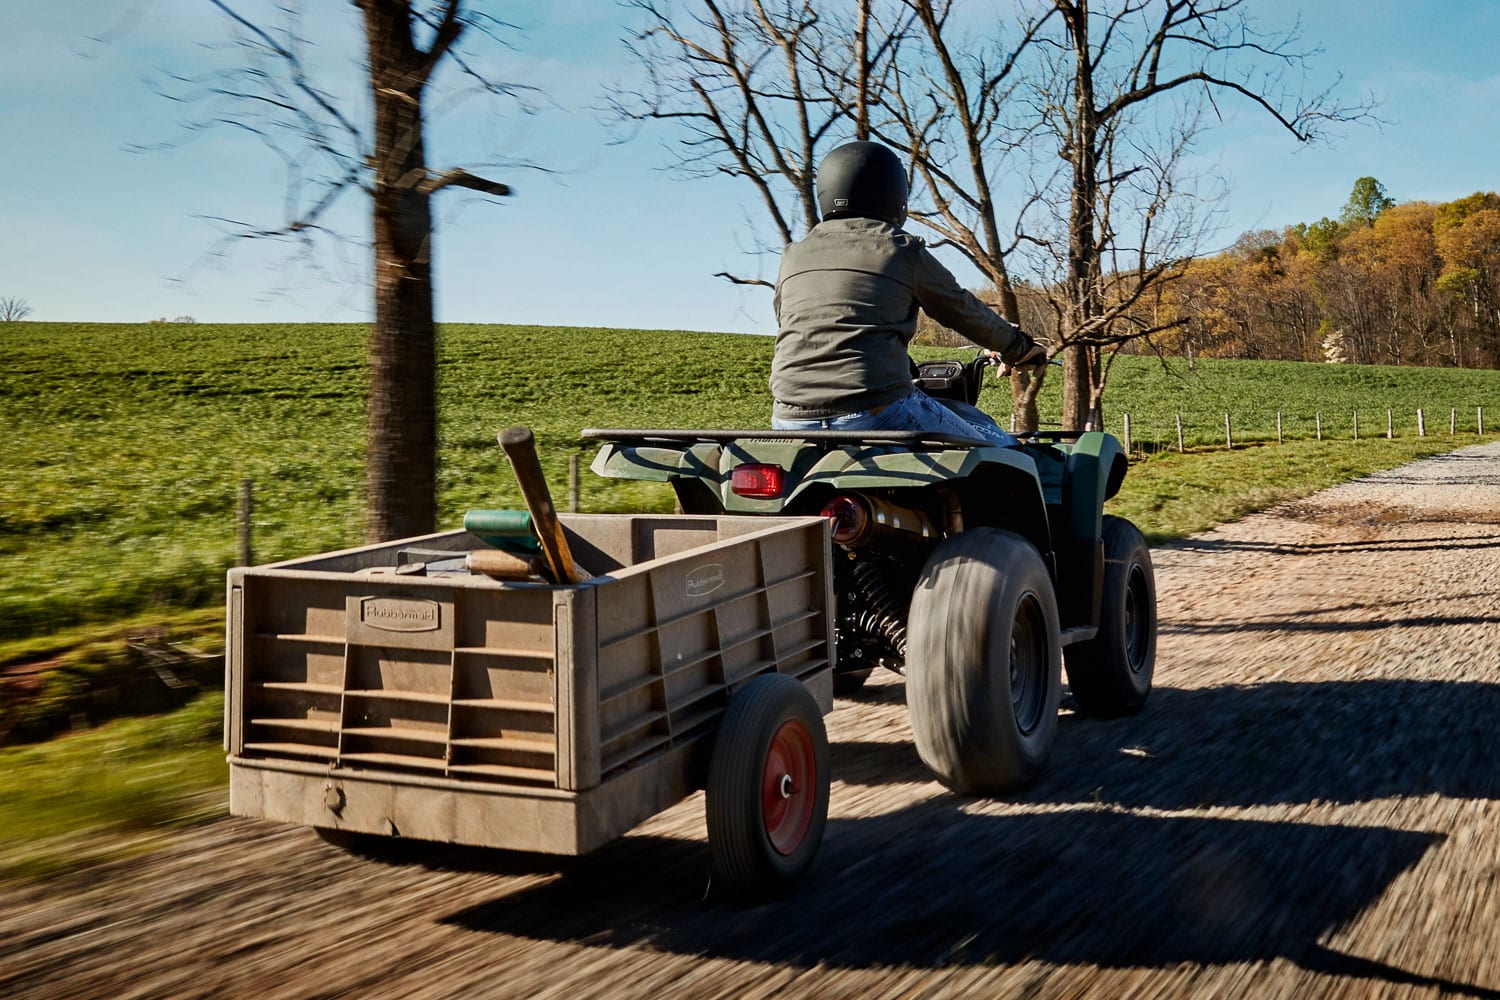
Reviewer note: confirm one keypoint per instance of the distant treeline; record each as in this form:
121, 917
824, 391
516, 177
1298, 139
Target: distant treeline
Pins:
1414, 283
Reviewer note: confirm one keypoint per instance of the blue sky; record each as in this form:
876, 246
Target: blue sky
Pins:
91, 230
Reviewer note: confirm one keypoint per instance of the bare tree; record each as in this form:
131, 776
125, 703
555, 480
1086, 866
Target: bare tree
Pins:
1097, 114
13, 310
761, 90
1125, 95
949, 107
333, 145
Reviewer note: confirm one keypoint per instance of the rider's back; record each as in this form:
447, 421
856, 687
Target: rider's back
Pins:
846, 305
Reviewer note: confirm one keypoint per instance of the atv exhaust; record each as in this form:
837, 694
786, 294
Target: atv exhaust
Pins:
859, 519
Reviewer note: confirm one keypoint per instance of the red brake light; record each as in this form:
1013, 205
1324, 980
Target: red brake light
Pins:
759, 482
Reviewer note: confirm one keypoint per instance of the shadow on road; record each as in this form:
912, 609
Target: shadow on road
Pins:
933, 886
1265, 744
1085, 881
1322, 548
1249, 745
1367, 616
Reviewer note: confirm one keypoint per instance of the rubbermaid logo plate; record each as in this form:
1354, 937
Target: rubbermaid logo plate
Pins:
705, 580
395, 614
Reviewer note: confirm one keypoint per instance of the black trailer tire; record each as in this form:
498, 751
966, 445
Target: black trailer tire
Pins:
983, 665
767, 794
1110, 675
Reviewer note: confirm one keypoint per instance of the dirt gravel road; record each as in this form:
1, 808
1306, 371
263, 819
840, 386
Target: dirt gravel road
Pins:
1309, 806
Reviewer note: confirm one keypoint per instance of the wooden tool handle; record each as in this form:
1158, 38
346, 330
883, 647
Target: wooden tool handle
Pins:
520, 448
498, 564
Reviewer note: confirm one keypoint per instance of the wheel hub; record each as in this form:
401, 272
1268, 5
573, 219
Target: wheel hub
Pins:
1028, 663
1136, 619
787, 791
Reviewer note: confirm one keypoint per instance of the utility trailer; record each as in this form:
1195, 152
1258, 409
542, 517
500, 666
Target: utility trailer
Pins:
388, 691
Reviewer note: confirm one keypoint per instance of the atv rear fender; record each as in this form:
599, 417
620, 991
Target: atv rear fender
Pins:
993, 486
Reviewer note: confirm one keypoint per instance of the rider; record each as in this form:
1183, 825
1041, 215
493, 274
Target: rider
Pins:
846, 303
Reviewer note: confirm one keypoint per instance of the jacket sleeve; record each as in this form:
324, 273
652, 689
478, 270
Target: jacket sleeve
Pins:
940, 295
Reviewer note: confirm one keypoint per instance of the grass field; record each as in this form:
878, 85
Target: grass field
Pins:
126, 443
125, 446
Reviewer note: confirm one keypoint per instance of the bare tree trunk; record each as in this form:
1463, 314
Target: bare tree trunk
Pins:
1083, 289
1025, 387
330, 151
862, 72
401, 462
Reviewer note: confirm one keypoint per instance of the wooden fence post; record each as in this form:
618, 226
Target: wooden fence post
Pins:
1453, 421
1228, 434
246, 551
1318, 419
1278, 427
1127, 434
573, 483
1356, 425
1180, 449
1390, 425
1421, 423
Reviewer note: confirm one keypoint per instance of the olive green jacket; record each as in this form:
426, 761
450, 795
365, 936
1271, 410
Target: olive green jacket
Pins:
846, 304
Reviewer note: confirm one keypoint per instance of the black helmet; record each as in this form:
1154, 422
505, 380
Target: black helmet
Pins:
862, 180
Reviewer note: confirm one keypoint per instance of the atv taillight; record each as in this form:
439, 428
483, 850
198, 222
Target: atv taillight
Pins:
850, 516
758, 482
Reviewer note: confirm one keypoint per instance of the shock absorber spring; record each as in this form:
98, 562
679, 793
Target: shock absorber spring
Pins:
884, 615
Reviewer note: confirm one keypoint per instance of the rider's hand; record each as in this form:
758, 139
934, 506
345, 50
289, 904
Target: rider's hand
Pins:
1034, 359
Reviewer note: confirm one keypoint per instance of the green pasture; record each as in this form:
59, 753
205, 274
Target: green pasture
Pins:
125, 443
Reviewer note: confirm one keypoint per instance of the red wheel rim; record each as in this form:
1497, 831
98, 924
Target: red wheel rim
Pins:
788, 787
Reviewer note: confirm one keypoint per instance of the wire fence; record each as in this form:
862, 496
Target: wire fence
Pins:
1180, 431
1282, 426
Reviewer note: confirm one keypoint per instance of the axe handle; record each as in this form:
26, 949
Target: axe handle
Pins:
520, 448
500, 565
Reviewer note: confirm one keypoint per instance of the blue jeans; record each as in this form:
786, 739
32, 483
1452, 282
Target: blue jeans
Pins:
916, 412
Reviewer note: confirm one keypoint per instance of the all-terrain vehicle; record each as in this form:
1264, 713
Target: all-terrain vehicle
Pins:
974, 570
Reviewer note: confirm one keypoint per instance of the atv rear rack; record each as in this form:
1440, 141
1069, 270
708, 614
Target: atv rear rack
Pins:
910, 439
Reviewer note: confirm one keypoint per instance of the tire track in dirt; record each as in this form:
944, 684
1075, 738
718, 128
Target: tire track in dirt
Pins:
1307, 807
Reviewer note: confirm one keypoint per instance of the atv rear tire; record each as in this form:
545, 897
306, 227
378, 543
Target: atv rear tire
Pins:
1111, 674
983, 665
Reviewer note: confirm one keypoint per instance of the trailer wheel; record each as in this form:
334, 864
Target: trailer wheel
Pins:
983, 665
767, 788
1111, 675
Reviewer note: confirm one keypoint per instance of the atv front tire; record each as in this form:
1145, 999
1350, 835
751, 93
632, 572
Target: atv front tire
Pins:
983, 665
1111, 674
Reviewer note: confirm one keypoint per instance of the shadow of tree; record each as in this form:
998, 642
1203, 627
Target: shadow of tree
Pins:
1082, 880
932, 886
1241, 745
1435, 544
1248, 745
